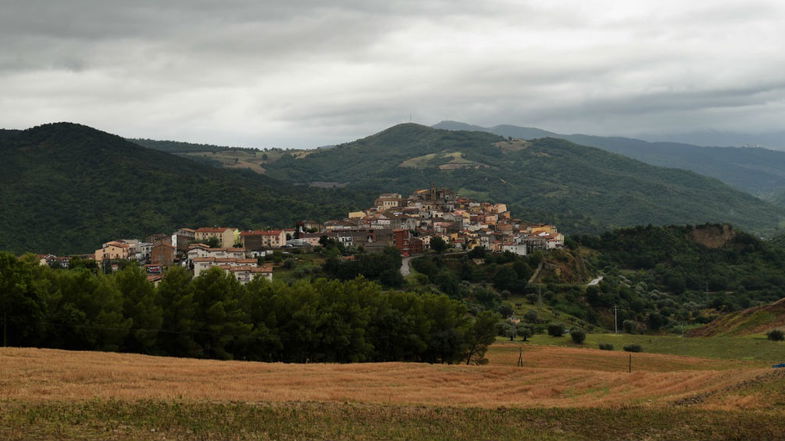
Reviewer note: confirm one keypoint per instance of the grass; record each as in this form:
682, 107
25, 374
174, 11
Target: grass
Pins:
752, 348
184, 420
545, 314
585, 357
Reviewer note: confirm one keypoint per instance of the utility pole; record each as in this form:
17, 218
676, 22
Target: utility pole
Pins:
615, 319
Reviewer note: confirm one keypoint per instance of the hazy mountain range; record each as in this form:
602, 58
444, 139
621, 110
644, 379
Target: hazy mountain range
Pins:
755, 170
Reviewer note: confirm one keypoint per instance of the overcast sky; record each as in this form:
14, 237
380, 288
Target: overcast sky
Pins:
309, 73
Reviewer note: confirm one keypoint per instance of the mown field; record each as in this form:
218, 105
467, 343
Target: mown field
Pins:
560, 393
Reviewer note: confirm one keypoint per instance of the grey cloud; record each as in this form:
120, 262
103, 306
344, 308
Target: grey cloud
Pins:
309, 72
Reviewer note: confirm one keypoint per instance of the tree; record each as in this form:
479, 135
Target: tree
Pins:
525, 331
22, 306
506, 310
175, 298
555, 329
212, 242
87, 312
481, 334
477, 252
438, 244
505, 278
219, 319
141, 306
776, 335
578, 336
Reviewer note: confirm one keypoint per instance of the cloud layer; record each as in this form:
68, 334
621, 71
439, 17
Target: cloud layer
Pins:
307, 73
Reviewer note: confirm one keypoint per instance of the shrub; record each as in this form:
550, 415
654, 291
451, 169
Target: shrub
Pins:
633, 348
525, 331
776, 335
606, 346
555, 329
578, 336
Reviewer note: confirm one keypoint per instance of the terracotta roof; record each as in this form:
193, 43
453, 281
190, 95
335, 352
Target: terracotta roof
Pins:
262, 270
212, 230
116, 244
262, 233
202, 259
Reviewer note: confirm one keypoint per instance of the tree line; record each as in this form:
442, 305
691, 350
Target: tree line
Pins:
214, 316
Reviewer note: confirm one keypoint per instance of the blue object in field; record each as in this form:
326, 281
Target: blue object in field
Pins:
781, 365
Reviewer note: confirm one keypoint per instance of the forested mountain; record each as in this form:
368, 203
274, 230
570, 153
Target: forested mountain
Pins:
677, 275
755, 170
582, 189
178, 146
66, 188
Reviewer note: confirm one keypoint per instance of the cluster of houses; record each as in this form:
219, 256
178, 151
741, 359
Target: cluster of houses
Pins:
410, 223
199, 249
406, 223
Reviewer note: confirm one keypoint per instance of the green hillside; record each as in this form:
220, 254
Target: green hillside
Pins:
582, 189
755, 320
755, 170
66, 188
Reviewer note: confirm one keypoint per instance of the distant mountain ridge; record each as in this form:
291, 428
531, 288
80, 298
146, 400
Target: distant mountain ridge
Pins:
755, 170
66, 188
583, 189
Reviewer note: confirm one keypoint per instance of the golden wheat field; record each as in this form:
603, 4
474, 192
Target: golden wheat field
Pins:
551, 377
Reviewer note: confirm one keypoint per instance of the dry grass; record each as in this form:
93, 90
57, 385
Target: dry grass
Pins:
555, 377
586, 358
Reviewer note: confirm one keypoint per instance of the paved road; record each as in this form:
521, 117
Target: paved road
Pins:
596, 281
405, 268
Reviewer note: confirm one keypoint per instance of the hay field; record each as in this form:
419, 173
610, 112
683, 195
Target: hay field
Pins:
561, 394
554, 377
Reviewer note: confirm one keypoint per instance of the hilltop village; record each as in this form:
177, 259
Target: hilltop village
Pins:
408, 224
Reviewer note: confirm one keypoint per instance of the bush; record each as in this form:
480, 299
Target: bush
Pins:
555, 329
633, 348
776, 335
525, 331
606, 346
578, 336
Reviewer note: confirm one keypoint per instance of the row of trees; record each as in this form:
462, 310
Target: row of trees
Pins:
214, 316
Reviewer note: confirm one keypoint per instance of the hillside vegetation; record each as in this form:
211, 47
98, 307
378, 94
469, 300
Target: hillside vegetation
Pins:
754, 320
66, 188
755, 170
581, 189
664, 277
